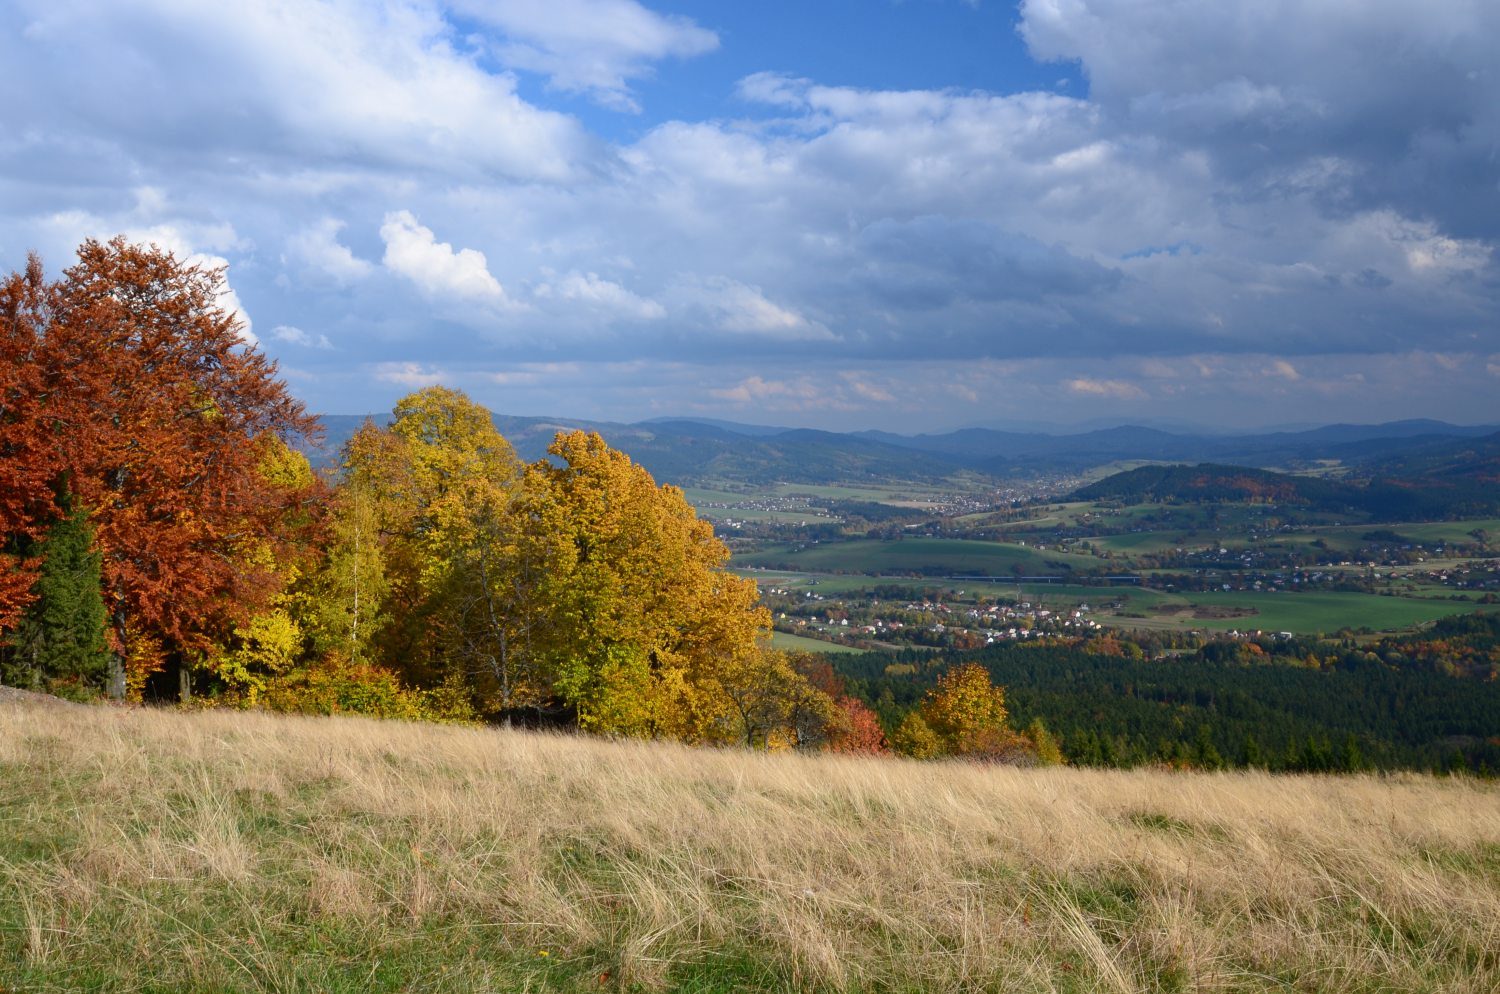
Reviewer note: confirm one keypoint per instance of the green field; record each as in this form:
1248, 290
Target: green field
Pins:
1303, 613
698, 495
811, 516
835, 584
798, 643
936, 555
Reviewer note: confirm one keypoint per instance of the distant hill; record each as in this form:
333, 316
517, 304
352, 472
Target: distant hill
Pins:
1005, 453
1444, 478
689, 450
1208, 482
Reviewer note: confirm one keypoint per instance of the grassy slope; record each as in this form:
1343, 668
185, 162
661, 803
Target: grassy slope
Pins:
241, 852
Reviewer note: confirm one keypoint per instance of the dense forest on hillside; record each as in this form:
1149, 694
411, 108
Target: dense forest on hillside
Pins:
1425, 701
1453, 480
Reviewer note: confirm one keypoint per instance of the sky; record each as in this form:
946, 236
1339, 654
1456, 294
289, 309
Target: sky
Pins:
910, 215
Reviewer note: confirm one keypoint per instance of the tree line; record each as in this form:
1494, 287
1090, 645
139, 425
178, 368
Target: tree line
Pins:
163, 538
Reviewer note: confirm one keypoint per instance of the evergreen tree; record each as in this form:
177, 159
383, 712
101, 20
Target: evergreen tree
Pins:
61, 637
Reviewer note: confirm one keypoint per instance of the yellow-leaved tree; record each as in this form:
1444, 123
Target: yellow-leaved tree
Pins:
645, 617
967, 716
571, 587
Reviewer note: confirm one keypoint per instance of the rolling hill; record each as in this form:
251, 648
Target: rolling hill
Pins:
689, 450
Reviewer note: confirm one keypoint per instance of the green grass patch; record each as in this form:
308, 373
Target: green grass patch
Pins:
799, 643
938, 556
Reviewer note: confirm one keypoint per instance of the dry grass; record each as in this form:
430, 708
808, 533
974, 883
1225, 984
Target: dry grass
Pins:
214, 851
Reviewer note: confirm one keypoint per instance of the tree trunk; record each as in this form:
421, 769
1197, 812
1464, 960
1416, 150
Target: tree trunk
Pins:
184, 683
115, 685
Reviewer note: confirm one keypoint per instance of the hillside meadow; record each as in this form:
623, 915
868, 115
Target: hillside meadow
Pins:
149, 850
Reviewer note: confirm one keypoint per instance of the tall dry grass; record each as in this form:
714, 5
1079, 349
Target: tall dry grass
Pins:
244, 851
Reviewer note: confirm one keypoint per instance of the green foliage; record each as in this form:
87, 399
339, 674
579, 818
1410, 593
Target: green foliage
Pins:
61, 639
1279, 704
1048, 751
915, 738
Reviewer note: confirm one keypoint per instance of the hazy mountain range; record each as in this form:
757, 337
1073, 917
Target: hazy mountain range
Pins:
688, 451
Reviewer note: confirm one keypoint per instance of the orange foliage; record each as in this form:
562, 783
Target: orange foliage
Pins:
27, 465
154, 414
860, 733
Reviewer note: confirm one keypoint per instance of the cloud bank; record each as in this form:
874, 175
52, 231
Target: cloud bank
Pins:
1251, 197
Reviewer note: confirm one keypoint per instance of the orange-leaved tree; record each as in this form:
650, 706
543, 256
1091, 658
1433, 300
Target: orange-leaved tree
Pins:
160, 416
28, 463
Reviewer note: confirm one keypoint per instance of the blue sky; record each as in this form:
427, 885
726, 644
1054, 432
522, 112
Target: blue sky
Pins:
840, 213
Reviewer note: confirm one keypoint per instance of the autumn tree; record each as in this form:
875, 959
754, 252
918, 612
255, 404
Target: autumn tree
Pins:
646, 616
966, 714
440, 548
857, 731
28, 451
370, 521
915, 738
1044, 743
152, 413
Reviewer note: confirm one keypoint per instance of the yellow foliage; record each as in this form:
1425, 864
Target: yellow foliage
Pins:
915, 738
967, 714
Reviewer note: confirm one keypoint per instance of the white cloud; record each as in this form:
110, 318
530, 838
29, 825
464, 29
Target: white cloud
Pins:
1246, 183
370, 82
1115, 389
317, 247
410, 374
293, 335
437, 270
1282, 369
741, 309
600, 295
589, 46
793, 394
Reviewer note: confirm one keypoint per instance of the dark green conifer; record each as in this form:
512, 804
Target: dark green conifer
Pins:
61, 638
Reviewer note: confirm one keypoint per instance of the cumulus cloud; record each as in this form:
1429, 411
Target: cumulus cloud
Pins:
740, 309
606, 297
1399, 98
414, 252
296, 336
1244, 189
383, 83
412, 375
589, 46
317, 247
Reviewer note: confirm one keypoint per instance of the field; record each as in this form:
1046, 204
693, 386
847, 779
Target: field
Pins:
238, 852
1303, 613
934, 555
798, 643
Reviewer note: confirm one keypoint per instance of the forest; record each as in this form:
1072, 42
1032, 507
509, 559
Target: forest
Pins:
1426, 701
